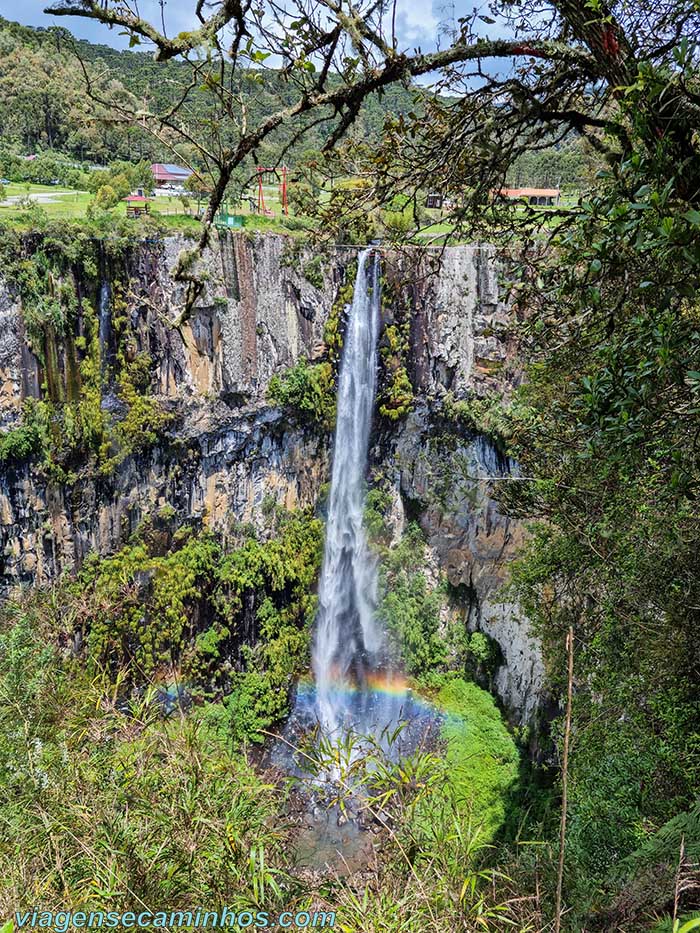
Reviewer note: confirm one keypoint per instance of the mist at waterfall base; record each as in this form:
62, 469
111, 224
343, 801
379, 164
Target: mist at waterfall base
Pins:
355, 687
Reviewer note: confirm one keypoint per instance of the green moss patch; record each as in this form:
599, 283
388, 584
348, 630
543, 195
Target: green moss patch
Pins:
481, 755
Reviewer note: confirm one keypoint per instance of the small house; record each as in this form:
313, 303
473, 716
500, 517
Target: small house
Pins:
542, 197
165, 174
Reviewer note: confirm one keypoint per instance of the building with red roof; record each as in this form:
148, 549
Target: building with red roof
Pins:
165, 173
542, 196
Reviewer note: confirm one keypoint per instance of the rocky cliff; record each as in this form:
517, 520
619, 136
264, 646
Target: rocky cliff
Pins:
225, 449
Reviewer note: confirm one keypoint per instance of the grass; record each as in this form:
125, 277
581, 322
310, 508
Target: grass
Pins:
70, 204
20, 188
482, 758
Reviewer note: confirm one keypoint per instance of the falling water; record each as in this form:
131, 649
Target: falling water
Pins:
349, 647
356, 689
105, 320
356, 695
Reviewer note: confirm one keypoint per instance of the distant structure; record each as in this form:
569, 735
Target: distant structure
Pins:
544, 197
226, 220
270, 175
165, 173
137, 204
434, 200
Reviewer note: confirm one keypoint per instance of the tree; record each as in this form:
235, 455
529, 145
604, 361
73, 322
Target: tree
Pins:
106, 197
199, 186
618, 79
330, 56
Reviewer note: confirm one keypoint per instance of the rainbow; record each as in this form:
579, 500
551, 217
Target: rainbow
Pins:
389, 684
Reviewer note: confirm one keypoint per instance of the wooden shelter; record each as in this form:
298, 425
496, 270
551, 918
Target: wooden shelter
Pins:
137, 204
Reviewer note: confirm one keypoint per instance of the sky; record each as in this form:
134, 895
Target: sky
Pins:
417, 20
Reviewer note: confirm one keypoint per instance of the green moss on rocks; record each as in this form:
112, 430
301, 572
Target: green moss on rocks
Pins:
395, 398
67, 430
482, 757
332, 333
313, 271
235, 622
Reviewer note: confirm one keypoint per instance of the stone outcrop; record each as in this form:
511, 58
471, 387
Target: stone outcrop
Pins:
228, 449
472, 542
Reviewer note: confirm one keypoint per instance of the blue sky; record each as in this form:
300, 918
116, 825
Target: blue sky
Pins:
416, 21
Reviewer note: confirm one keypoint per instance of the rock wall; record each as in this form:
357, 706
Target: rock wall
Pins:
227, 449
448, 486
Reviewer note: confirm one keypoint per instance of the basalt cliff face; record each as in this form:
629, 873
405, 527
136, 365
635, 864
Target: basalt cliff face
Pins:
227, 450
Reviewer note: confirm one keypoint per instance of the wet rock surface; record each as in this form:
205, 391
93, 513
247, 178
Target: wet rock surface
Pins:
227, 449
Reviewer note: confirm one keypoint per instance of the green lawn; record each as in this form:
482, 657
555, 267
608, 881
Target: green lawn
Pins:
20, 189
69, 204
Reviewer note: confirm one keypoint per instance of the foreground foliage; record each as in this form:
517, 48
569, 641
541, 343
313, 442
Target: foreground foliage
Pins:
109, 802
606, 430
109, 806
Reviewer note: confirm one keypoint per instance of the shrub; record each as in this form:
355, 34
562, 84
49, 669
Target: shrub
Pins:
410, 611
308, 391
106, 198
145, 419
20, 443
397, 399
313, 271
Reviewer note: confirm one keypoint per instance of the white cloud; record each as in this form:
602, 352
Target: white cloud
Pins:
416, 23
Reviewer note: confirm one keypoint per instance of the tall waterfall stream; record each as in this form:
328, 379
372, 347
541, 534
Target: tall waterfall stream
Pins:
357, 692
349, 645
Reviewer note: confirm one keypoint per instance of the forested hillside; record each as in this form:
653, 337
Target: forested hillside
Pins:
43, 104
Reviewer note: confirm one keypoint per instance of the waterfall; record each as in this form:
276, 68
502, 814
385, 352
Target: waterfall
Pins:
104, 318
357, 694
104, 327
348, 644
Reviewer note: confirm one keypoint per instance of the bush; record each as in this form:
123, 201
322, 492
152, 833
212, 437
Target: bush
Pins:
397, 398
411, 613
482, 758
313, 271
306, 390
145, 419
20, 443
106, 198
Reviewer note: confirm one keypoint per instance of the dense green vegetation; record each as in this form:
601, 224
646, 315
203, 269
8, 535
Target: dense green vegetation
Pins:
107, 753
606, 427
482, 759
67, 429
395, 393
234, 623
408, 607
115, 807
111, 801
308, 391
43, 105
